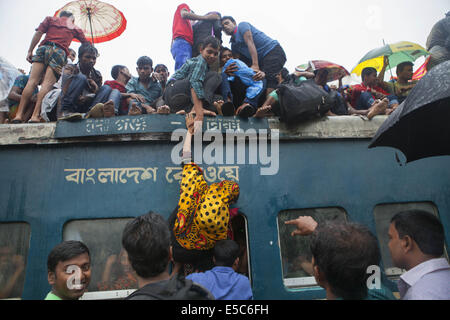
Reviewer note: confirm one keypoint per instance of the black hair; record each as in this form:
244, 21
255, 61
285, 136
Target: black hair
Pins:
223, 49
424, 228
144, 61
403, 65
210, 41
147, 242
65, 251
116, 70
161, 66
87, 47
228, 18
343, 252
65, 14
226, 252
367, 72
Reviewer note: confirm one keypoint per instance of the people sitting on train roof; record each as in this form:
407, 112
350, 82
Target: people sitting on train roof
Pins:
402, 86
82, 88
65, 260
241, 93
15, 96
271, 105
162, 75
223, 281
146, 89
146, 239
194, 84
121, 76
50, 58
416, 244
265, 55
369, 98
341, 256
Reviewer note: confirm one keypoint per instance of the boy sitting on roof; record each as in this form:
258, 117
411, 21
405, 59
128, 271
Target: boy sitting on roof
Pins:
369, 98
188, 83
146, 90
237, 78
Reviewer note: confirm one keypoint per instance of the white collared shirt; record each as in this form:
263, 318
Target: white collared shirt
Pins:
429, 280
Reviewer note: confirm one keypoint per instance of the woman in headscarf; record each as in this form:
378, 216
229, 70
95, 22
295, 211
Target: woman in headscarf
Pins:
203, 213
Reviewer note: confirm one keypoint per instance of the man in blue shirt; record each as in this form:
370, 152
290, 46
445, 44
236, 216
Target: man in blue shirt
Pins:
223, 281
265, 55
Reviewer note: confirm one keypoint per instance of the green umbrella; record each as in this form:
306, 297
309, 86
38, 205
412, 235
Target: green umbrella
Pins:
398, 52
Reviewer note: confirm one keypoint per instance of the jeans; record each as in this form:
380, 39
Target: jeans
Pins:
105, 94
76, 88
236, 91
366, 101
181, 52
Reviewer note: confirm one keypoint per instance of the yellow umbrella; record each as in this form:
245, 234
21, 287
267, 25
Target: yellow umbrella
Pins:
398, 52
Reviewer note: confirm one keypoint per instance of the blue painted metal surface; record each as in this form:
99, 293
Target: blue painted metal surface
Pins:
49, 185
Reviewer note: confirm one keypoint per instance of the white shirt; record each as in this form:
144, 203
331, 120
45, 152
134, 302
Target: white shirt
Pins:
429, 280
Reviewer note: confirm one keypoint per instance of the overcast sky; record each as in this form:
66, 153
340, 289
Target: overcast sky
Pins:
338, 31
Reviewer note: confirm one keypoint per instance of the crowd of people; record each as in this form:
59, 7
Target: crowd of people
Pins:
210, 79
192, 255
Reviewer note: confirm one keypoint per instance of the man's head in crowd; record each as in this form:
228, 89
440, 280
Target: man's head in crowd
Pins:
228, 25
405, 71
225, 55
415, 236
120, 72
369, 76
87, 55
147, 242
342, 254
209, 49
226, 254
69, 270
144, 68
163, 72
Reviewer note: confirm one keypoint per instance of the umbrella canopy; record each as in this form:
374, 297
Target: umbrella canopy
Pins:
419, 127
8, 74
398, 52
99, 21
335, 71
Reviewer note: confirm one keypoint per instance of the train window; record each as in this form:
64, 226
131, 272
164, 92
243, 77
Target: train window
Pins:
295, 252
111, 270
14, 245
240, 235
383, 215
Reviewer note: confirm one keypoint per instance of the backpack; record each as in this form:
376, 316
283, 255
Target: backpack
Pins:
304, 101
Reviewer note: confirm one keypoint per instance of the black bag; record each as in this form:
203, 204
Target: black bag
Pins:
305, 101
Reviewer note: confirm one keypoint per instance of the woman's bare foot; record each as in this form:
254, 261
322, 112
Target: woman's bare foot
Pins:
181, 112
378, 108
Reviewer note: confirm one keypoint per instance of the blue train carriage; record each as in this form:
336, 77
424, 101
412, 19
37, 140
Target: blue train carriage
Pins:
85, 181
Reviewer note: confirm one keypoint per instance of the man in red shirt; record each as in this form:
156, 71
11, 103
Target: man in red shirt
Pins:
50, 58
369, 98
183, 34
